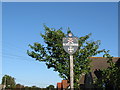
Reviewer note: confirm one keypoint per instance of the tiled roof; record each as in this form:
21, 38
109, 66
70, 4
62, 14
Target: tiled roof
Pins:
99, 63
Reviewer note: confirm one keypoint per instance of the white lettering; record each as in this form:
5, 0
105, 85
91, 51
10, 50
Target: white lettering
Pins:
70, 44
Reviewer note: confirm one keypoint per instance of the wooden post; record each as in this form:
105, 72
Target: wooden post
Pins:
71, 73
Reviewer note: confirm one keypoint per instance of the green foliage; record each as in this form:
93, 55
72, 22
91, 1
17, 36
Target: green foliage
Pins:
55, 57
34, 87
8, 81
110, 76
50, 87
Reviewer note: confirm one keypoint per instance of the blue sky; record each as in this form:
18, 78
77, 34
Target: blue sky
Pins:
23, 22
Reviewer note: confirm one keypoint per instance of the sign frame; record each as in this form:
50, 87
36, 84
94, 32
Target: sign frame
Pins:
70, 44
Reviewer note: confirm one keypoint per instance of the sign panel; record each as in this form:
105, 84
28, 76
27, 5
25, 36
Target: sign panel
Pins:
70, 44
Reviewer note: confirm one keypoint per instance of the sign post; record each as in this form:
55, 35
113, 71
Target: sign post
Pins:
70, 45
71, 73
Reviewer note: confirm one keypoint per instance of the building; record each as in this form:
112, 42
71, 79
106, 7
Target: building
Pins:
97, 64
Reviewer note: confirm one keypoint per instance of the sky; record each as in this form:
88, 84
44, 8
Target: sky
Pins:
22, 24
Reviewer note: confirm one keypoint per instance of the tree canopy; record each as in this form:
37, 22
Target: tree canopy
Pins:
54, 56
8, 81
50, 87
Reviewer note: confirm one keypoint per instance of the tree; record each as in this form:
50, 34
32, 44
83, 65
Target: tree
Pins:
19, 86
50, 87
34, 87
8, 81
55, 57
